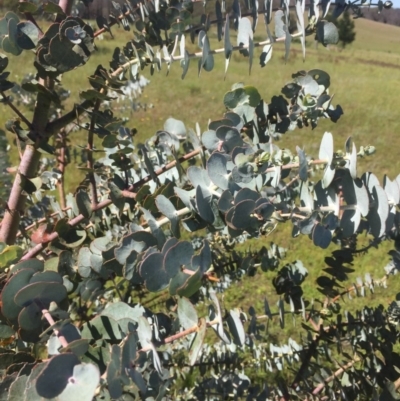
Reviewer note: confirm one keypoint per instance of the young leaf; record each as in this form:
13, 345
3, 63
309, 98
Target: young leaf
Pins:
288, 41
251, 53
219, 328
197, 342
326, 153
186, 313
265, 55
236, 327
165, 206
227, 44
327, 33
281, 308
245, 33
144, 332
83, 203
303, 166
279, 25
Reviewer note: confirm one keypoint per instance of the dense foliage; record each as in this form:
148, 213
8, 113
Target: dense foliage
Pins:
79, 317
347, 30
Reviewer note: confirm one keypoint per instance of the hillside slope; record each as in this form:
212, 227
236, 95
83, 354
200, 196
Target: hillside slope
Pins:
375, 36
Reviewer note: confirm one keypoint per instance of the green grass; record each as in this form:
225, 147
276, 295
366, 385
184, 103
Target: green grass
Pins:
364, 78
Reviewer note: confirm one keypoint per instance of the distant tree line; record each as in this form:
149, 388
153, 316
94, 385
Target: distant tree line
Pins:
391, 17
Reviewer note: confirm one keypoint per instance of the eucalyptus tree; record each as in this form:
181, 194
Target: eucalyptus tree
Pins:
73, 324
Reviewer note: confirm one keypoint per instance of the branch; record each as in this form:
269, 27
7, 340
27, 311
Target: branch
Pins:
354, 287
295, 165
78, 219
181, 335
59, 123
336, 374
16, 202
131, 193
79, 109
27, 168
171, 58
43, 220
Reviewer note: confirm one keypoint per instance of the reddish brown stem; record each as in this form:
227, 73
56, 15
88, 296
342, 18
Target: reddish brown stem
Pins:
30, 160
27, 169
43, 220
181, 334
16, 201
353, 288
332, 377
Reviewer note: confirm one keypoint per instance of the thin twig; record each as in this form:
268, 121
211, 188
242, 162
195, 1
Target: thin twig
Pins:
354, 287
9, 103
43, 220
170, 59
101, 205
181, 334
336, 374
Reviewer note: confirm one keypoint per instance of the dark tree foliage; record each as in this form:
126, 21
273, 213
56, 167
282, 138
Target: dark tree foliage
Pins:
110, 293
347, 30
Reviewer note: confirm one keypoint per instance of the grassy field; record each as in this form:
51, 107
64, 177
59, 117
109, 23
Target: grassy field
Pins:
365, 79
